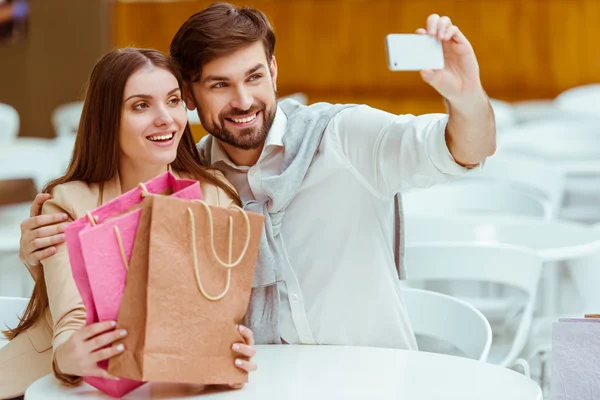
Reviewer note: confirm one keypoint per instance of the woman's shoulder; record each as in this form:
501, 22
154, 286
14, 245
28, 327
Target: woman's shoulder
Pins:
72, 197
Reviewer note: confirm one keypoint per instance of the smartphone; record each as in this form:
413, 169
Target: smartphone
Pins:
413, 52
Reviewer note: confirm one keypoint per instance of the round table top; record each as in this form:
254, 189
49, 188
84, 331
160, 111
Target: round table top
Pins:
338, 372
555, 240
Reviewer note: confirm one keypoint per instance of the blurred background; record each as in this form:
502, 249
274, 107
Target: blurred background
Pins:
329, 50
539, 64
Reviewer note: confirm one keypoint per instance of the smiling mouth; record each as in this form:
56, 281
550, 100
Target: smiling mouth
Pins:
243, 120
165, 137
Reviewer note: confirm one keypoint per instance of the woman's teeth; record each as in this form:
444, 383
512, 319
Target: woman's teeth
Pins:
160, 137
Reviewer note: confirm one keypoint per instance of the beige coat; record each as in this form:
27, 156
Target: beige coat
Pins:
29, 356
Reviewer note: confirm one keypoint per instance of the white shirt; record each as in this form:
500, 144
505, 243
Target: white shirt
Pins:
343, 287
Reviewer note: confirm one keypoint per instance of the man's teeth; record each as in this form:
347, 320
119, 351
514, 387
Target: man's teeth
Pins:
161, 137
244, 120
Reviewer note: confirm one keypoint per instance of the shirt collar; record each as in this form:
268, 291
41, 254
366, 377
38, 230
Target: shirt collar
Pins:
274, 138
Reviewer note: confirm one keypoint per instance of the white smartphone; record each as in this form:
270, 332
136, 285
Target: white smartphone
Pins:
413, 52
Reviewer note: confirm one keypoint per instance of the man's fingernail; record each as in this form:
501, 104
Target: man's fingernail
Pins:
120, 347
236, 346
241, 328
238, 362
123, 333
64, 216
113, 323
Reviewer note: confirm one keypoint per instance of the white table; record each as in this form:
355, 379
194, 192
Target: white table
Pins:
554, 240
339, 372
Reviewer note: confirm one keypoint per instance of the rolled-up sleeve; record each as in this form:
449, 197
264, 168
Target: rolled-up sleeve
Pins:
395, 152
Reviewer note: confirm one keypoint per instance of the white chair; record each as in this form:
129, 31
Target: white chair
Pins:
580, 101
477, 197
299, 97
65, 119
546, 179
11, 309
512, 266
445, 318
9, 123
535, 110
504, 114
570, 144
192, 116
559, 139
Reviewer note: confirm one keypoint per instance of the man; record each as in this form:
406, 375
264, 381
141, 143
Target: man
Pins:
324, 176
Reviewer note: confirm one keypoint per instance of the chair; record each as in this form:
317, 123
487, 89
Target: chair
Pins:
9, 123
65, 119
446, 318
559, 139
192, 116
535, 110
504, 114
508, 265
546, 179
580, 101
477, 197
11, 309
571, 144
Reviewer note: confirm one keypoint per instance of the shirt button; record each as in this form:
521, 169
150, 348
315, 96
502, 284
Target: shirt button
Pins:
294, 297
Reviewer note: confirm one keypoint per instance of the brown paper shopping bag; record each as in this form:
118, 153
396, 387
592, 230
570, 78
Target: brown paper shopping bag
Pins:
189, 283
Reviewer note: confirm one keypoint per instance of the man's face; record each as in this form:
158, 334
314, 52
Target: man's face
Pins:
236, 97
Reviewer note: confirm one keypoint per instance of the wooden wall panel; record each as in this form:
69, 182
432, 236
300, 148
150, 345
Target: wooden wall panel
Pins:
334, 49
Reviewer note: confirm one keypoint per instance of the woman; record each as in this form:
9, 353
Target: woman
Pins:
133, 128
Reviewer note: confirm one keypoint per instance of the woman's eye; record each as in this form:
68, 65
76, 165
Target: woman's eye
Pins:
140, 106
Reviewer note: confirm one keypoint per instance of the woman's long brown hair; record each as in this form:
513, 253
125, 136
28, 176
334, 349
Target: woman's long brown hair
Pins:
96, 151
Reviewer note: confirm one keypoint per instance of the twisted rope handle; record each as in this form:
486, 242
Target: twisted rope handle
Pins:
228, 265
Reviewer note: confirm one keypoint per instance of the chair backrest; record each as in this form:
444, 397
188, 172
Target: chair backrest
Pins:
192, 116
9, 123
504, 114
534, 110
447, 318
477, 197
495, 263
558, 139
11, 309
581, 100
65, 118
547, 179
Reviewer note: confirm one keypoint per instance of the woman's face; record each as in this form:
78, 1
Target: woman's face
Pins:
153, 118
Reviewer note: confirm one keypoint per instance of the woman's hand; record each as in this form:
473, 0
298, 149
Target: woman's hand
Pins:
80, 354
246, 350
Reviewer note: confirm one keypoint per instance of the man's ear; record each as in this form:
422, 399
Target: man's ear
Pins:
188, 98
273, 70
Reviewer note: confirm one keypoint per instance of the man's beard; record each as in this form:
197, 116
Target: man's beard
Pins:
247, 138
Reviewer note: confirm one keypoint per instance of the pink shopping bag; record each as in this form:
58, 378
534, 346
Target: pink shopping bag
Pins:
99, 243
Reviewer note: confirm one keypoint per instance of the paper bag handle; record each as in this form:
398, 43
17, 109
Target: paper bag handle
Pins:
228, 265
94, 221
